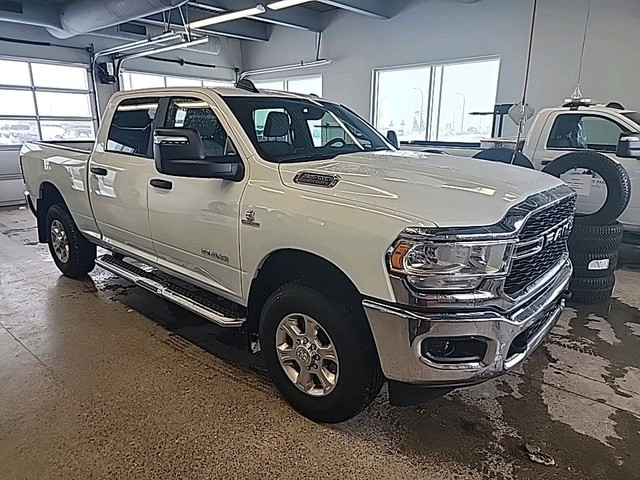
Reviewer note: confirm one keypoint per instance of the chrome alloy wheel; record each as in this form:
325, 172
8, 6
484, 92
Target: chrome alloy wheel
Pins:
59, 241
307, 355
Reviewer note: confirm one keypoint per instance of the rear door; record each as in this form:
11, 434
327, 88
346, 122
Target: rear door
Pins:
119, 173
194, 221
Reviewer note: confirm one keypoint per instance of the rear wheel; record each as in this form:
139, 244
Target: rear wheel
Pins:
320, 352
72, 253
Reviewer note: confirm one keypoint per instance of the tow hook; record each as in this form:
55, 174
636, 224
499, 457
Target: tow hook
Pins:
565, 295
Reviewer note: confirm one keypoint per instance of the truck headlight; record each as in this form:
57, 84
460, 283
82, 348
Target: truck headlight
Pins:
450, 265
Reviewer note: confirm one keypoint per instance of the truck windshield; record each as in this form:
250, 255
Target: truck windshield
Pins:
298, 130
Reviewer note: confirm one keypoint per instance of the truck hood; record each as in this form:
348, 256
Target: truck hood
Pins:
444, 190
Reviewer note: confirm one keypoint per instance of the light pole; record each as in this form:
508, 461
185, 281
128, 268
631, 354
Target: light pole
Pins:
421, 126
464, 104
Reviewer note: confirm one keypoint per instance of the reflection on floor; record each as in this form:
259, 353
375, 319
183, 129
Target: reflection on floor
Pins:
101, 379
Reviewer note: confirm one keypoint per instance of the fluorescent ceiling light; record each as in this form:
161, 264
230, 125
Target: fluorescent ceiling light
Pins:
286, 4
168, 48
227, 17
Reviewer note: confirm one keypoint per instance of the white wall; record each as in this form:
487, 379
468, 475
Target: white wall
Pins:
433, 30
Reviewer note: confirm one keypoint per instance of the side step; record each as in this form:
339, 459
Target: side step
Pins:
198, 304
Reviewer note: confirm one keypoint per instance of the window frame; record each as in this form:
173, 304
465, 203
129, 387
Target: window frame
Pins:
89, 91
429, 100
582, 114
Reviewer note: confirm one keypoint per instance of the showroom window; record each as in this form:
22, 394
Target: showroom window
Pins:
136, 81
44, 101
436, 102
303, 85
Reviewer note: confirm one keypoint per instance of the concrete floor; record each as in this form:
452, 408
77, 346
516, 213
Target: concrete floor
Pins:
100, 379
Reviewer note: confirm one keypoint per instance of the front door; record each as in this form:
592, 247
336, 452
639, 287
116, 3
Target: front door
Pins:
194, 221
119, 173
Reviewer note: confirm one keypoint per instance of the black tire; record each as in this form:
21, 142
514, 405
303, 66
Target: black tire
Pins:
596, 238
82, 253
582, 261
614, 176
504, 155
591, 290
359, 377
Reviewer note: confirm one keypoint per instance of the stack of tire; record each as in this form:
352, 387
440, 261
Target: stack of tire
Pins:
594, 253
595, 238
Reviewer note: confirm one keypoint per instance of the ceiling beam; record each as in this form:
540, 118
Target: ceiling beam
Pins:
372, 8
241, 29
291, 17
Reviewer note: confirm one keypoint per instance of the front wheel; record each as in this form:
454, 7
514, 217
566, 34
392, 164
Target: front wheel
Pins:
320, 352
72, 253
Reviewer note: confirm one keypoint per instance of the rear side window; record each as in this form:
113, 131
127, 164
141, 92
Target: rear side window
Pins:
131, 127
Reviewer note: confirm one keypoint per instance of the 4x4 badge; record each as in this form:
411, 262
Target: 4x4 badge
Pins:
250, 219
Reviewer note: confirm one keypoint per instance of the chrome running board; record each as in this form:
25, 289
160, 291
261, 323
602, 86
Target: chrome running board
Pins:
194, 302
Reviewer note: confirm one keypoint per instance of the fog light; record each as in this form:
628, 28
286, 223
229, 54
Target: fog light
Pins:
454, 349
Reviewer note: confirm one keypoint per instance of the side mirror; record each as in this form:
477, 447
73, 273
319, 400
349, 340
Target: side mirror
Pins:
392, 136
629, 145
180, 152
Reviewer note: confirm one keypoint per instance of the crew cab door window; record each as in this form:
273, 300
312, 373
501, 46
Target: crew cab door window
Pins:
593, 132
131, 126
197, 114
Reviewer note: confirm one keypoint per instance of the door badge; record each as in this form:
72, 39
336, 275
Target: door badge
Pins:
250, 219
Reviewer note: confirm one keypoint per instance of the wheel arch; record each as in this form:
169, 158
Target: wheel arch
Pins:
48, 195
285, 265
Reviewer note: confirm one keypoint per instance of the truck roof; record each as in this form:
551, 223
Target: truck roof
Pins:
611, 107
223, 92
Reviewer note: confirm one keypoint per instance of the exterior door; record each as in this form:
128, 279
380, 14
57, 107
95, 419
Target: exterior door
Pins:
194, 223
119, 173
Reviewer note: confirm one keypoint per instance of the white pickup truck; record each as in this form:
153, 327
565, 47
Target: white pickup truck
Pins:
576, 127
348, 262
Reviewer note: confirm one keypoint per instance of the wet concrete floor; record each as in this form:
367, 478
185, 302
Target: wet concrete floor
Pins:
99, 379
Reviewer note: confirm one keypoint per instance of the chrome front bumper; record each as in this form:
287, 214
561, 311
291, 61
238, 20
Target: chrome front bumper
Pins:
399, 334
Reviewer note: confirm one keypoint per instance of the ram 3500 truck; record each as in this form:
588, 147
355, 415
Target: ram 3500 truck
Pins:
346, 261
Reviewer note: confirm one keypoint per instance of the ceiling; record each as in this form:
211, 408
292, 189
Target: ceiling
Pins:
66, 18
313, 16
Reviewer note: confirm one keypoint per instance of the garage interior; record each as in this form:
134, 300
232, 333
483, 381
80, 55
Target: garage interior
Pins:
102, 379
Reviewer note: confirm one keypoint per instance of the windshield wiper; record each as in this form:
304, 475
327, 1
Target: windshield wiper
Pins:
378, 149
308, 157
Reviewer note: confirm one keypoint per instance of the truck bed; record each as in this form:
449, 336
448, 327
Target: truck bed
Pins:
72, 145
61, 165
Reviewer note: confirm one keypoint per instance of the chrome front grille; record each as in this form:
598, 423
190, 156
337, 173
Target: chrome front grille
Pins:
541, 221
539, 228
